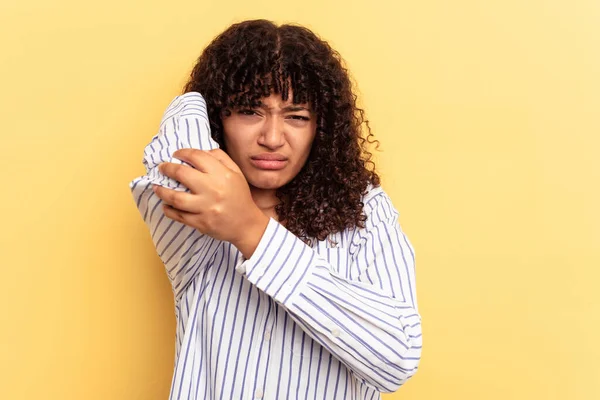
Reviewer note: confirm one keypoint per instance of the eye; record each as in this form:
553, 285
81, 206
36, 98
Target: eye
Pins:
247, 112
300, 117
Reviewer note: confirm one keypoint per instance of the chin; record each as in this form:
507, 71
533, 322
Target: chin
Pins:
265, 185
270, 180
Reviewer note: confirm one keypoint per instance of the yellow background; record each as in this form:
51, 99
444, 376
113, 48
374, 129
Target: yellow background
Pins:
488, 114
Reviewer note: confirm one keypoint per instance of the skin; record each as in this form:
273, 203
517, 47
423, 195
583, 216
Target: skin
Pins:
231, 198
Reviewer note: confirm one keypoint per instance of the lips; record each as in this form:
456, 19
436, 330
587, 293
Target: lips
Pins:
269, 164
270, 157
269, 161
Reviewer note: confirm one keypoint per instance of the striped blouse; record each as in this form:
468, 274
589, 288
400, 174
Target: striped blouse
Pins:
335, 320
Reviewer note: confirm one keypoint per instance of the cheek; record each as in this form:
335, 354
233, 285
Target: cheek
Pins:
234, 150
303, 146
236, 138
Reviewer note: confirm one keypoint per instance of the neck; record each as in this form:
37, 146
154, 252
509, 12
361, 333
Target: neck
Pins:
266, 200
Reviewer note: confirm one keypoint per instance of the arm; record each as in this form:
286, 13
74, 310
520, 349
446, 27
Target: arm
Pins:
183, 249
373, 328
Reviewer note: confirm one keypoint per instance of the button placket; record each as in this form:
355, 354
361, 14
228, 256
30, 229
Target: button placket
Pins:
262, 368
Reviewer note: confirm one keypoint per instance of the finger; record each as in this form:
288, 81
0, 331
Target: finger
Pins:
200, 159
183, 201
188, 176
179, 216
174, 214
224, 159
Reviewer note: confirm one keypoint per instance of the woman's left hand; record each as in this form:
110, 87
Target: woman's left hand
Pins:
219, 203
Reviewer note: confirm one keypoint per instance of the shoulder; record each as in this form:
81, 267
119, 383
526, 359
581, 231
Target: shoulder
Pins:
372, 192
378, 206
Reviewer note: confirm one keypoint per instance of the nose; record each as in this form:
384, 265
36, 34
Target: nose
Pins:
272, 134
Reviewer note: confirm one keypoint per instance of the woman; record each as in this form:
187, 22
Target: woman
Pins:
292, 277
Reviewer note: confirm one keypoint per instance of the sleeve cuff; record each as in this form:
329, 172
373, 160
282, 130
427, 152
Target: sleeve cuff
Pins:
280, 265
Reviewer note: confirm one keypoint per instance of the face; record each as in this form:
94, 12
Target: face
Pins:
269, 143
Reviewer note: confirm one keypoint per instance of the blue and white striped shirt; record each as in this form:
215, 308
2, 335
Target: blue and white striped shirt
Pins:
331, 321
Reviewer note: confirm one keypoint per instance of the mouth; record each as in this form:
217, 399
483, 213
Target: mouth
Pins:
268, 164
269, 161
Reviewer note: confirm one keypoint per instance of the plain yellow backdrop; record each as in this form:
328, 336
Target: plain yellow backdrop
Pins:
488, 116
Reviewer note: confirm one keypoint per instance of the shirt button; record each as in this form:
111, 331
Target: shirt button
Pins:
259, 393
267, 335
335, 332
242, 269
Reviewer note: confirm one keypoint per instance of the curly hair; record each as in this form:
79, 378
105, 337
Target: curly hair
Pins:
253, 59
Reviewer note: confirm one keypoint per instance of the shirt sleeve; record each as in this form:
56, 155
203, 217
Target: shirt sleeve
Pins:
184, 251
371, 327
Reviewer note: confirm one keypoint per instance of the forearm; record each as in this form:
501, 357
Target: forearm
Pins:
377, 336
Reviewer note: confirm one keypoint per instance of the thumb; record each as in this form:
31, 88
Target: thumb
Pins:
225, 159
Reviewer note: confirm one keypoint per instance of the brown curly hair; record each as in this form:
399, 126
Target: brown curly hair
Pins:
252, 59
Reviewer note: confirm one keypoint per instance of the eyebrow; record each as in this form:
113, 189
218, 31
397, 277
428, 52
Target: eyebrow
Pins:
290, 108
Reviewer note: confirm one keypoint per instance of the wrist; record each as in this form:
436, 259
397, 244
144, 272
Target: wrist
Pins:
250, 234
